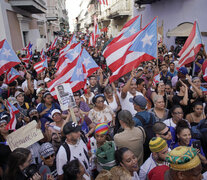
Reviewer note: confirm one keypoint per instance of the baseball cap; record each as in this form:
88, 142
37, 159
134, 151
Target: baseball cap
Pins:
183, 70
139, 100
17, 93
40, 82
46, 149
70, 127
47, 79
55, 111
39, 90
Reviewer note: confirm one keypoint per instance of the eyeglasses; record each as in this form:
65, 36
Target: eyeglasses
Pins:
51, 156
100, 102
166, 133
41, 84
178, 113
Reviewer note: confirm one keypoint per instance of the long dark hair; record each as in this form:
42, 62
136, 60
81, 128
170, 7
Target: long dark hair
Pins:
119, 155
71, 170
17, 157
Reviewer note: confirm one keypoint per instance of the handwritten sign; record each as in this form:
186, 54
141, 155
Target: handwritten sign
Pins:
25, 136
65, 96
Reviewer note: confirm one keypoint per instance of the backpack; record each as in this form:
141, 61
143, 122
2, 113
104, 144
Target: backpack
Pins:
149, 134
105, 155
67, 148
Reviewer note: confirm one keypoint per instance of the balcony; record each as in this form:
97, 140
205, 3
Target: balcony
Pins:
52, 13
140, 2
120, 8
32, 6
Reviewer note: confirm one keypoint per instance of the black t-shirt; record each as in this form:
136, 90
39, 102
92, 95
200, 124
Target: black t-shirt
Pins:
97, 89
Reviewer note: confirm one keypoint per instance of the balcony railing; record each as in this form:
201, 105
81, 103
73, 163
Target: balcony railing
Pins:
32, 6
52, 13
120, 8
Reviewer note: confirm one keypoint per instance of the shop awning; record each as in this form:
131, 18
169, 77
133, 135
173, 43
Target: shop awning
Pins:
182, 30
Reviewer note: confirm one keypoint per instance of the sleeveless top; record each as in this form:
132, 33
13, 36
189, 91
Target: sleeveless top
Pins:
113, 104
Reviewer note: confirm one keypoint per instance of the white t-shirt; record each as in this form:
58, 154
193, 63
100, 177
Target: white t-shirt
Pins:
135, 176
76, 152
24, 85
126, 105
169, 123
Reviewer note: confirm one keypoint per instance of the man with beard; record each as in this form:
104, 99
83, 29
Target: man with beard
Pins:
165, 75
72, 148
159, 149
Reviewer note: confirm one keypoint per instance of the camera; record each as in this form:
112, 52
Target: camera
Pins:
31, 170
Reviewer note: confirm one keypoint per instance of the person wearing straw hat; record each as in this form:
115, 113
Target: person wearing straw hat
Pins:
184, 163
159, 149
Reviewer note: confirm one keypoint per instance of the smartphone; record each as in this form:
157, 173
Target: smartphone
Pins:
197, 144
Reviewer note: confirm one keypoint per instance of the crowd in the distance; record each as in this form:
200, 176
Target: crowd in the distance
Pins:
136, 128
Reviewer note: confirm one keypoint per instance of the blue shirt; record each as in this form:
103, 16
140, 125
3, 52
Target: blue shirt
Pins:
176, 145
41, 107
146, 116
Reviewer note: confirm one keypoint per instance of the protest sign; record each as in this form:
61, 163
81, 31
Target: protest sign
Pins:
25, 136
65, 96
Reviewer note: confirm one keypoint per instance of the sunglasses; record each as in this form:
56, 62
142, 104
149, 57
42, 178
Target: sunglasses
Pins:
166, 133
51, 156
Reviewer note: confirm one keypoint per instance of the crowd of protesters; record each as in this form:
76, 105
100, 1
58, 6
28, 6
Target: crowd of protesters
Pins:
134, 128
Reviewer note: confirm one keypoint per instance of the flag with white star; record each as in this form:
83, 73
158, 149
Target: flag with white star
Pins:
142, 48
11, 75
8, 57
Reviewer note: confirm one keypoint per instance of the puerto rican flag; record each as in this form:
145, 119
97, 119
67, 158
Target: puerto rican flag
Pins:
8, 57
84, 68
142, 48
191, 47
53, 45
13, 121
27, 58
156, 79
116, 49
67, 71
68, 57
105, 2
11, 75
95, 34
204, 70
41, 66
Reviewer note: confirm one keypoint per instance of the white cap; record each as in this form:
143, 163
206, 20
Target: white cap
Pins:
55, 111
47, 79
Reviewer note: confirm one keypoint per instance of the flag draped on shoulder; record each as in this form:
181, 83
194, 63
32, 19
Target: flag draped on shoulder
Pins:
116, 49
143, 47
13, 121
8, 57
191, 47
11, 75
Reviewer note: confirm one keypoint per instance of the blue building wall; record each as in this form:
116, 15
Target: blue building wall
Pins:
173, 13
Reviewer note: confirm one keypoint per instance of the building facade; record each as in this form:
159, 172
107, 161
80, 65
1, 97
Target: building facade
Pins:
113, 16
176, 17
24, 21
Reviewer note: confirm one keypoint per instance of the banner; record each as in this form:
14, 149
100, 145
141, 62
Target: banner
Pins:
65, 96
25, 136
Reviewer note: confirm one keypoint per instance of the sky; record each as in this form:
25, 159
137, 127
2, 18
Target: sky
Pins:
73, 10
